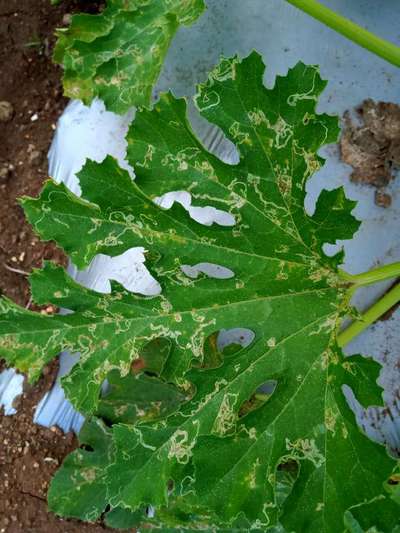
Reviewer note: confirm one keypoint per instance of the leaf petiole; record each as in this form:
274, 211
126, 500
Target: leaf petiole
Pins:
379, 308
373, 276
382, 48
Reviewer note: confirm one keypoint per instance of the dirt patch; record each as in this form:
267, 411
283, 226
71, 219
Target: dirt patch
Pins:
29, 456
30, 103
371, 145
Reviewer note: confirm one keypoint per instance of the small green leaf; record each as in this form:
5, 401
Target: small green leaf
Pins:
118, 54
120, 518
137, 399
378, 516
79, 488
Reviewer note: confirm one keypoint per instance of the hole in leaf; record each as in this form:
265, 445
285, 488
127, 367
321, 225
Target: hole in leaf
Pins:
212, 137
86, 447
126, 270
153, 357
150, 511
224, 343
394, 479
258, 398
207, 215
268, 387
230, 341
210, 269
170, 486
286, 475
107, 421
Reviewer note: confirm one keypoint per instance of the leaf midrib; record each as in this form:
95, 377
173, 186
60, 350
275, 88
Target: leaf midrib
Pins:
196, 241
167, 316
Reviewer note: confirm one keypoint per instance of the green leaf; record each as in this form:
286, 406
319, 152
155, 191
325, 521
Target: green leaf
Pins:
393, 485
118, 54
127, 470
219, 456
120, 518
100, 329
306, 421
379, 516
141, 398
79, 488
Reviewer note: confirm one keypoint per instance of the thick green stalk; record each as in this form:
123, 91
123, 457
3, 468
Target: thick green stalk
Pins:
373, 276
349, 29
378, 309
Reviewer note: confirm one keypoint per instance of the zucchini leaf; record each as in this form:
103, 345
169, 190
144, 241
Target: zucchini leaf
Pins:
118, 54
230, 454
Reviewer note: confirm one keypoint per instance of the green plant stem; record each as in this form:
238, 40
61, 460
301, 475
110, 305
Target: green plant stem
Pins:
349, 29
390, 299
373, 276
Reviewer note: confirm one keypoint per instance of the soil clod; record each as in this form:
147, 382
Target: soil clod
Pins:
6, 111
383, 199
371, 145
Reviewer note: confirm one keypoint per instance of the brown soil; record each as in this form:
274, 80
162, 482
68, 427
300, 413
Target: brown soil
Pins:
29, 456
30, 102
372, 148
